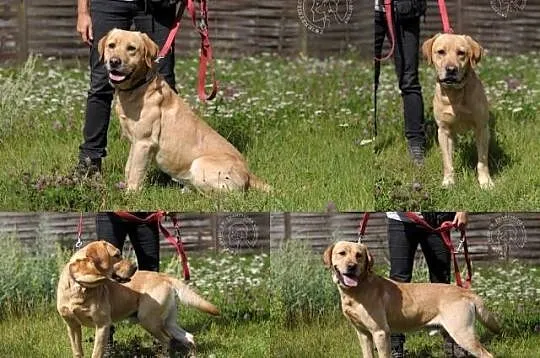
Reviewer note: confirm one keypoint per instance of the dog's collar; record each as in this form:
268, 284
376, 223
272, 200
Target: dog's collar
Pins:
147, 79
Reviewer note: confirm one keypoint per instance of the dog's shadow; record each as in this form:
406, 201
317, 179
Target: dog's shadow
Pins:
498, 159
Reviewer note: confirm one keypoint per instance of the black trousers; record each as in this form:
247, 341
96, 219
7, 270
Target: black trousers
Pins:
403, 240
106, 15
406, 53
144, 237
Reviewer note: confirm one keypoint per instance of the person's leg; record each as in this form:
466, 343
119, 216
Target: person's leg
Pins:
402, 245
438, 259
110, 228
157, 25
106, 15
145, 241
406, 63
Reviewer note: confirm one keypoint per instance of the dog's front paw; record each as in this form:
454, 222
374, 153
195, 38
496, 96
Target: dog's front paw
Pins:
448, 181
486, 182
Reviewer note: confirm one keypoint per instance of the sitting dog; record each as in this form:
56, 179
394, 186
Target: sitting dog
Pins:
90, 293
460, 101
161, 125
377, 306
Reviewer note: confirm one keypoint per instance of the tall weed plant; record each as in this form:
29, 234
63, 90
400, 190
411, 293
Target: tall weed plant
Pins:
301, 287
28, 278
15, 88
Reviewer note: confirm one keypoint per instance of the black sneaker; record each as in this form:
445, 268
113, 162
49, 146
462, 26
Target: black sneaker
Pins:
397, 341
88, 167
109, 351
453, 350
416, 151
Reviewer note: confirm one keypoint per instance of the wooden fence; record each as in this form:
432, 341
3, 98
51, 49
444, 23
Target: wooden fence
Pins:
492, 236
248, 27
237, 232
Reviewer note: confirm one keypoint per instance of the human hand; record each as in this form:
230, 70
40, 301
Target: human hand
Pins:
460, 220
84, 27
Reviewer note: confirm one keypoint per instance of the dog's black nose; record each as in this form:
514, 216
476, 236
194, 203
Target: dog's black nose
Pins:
451, 70
351, 268
114, 62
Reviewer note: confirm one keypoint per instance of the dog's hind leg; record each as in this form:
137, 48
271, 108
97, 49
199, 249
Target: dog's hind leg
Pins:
461, 329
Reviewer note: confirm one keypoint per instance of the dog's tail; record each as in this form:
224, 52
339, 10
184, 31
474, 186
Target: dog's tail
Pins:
486, 317
256, 183
188, 297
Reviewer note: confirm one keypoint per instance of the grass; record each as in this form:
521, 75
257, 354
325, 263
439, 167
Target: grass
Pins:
31, 327
298, 122
513, 89
315, 326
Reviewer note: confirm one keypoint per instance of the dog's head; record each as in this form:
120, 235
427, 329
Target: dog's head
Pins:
350, 263
101, 261
128, 56
453, 56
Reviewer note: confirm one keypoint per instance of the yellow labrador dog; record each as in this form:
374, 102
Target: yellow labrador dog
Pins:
161, 125
90, 294
460, 101
377, 306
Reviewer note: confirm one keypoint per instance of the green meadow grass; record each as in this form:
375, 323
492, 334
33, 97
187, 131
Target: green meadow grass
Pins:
298, 122
513, 89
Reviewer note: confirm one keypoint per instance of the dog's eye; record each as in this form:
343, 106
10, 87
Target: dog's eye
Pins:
461, 53
441, 52
131, 48
111, 45
358, 255
341, 253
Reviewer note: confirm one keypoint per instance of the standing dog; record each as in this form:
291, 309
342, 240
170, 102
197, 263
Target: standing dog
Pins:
460, 101
376, 306
90, 294
161, 125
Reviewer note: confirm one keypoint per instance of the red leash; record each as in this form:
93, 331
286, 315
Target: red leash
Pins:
390, 23
362, 227
444, 231
174, 240
444, 17
206, 49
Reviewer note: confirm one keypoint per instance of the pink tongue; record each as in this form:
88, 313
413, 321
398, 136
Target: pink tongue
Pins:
351, 282
114, 77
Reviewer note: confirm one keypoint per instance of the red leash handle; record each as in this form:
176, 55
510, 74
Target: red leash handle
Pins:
444, 17
205, 57
176, 241
444, 231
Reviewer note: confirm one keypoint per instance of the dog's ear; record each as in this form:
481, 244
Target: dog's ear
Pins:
85, 272
101, 46
98, 254
426, 48
151, 50
327, 256
476, 51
